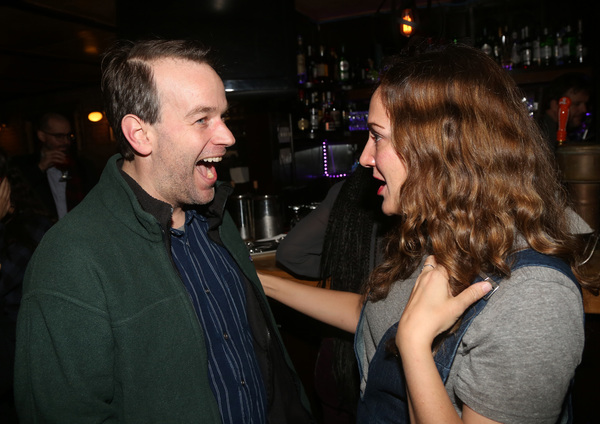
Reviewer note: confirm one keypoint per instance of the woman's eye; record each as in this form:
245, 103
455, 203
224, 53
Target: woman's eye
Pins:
376, 137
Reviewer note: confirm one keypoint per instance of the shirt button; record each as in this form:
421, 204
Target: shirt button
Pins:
243, 382
207, 291
225, 335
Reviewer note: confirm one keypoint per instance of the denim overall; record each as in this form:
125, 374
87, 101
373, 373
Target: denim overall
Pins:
384, 397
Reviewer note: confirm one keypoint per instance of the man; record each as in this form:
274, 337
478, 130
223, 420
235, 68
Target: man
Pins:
577, 88
59, 180
154, 312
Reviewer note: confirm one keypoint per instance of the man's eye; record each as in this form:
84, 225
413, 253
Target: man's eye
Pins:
201, 121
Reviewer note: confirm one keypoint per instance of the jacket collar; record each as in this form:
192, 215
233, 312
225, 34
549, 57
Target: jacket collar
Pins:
163, 212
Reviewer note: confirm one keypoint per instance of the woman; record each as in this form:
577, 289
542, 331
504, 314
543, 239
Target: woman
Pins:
460, 160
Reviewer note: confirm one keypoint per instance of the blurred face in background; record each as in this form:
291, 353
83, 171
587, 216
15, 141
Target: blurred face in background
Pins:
56, 134
578, 108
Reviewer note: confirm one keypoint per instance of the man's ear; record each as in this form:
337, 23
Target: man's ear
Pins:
41, 136
135, 131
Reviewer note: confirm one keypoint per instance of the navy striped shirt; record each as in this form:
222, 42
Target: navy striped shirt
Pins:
216, 287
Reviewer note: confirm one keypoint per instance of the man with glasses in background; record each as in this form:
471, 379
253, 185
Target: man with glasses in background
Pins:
55, 174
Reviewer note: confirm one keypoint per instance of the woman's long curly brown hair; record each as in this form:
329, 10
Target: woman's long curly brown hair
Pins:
479, 171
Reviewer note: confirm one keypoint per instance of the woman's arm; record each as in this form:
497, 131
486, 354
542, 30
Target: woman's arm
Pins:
337, 308
431, 310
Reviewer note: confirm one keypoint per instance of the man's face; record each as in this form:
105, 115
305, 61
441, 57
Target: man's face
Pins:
190, 136
578, 107
56, 135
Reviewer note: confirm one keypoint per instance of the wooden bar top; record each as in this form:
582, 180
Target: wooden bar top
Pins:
266, 263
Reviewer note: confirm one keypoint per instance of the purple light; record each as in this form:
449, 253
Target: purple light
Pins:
326, 164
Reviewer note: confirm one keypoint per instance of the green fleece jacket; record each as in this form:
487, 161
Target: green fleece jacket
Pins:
107, 331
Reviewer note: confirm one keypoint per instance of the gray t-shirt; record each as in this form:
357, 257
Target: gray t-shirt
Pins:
518, 356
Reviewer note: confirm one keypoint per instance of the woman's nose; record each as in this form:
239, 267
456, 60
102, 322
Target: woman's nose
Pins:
367, 157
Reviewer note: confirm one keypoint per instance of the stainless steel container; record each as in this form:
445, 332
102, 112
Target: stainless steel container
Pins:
241, 210
580, 167
268, 217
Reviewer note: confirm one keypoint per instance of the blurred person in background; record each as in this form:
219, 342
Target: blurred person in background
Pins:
578, 88
23, 222
58, 176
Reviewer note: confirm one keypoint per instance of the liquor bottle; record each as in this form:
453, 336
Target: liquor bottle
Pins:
580, 48
498, 47
569, 45
302, 112
314, 124
547, 48
536, 58
311, 64
506, 48
322, 66
525, 48
337, 113
343, 67
515, 50
301, 62
327, 122
559, 58
333, 64
486, 43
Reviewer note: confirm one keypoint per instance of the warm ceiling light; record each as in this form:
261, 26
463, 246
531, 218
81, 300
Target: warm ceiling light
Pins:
407, 22
95, 116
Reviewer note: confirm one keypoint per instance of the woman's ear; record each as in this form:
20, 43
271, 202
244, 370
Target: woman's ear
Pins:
135, 131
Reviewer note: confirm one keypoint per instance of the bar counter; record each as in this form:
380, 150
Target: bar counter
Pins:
266, 263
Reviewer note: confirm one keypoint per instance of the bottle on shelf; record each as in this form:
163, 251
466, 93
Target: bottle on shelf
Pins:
559, 58
525, 48
498, 47
580, 48
536, 53
327, 123
301, 62
343, 67
322, 65
506, 47
302, 112
515, 50
336, 113
311, 64
486, 44
547, 48
333, 62
569, 45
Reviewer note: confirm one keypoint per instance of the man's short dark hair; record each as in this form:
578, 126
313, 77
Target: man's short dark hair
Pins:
44, 121
128, 85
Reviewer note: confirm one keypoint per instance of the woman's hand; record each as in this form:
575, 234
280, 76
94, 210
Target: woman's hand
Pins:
432, 308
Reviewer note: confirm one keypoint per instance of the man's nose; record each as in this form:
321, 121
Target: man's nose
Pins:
223, 135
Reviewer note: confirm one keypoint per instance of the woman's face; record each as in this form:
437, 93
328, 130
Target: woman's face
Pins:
380, 155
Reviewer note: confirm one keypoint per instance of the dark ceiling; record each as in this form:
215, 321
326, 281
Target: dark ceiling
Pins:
48, 46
